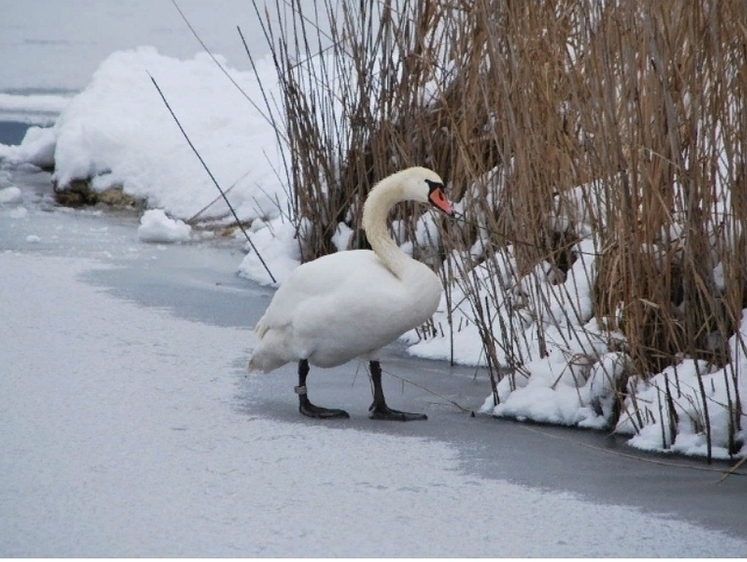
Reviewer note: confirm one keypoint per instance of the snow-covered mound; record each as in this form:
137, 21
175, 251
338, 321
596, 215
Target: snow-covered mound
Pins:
155, 226
118, 132
10, 194
278, 246
566, 366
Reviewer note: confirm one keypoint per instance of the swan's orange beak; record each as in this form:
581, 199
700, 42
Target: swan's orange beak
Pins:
438, 199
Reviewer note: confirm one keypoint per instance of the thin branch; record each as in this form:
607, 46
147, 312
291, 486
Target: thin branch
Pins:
204, 165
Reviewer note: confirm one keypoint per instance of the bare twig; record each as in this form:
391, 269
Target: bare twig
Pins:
215, 182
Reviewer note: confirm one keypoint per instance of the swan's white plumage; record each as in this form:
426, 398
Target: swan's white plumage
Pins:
351, 304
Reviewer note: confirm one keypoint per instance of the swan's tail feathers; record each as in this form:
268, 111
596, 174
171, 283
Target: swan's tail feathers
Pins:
257, 360
264, 323
271, 351
257, 363
264, 363
261, 328
253, 366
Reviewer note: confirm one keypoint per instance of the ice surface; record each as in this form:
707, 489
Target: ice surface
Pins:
125, 434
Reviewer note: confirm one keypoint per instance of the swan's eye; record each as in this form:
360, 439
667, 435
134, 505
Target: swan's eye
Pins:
433, 186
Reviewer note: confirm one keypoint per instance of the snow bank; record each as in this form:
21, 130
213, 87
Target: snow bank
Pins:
118, 132
564, 367
679, 426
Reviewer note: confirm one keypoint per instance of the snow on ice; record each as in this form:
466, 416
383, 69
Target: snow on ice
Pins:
155, 226
10, 194
19, 212
117, 132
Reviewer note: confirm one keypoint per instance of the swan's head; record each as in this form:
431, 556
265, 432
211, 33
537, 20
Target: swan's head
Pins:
426, 186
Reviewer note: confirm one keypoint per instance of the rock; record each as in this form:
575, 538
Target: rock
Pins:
79, 193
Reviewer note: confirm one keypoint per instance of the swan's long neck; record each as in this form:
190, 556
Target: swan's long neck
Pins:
380, 201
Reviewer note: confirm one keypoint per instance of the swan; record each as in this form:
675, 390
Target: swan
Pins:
352, 303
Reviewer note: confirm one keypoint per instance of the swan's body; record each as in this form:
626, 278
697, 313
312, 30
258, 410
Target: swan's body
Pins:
351, 304
342, 306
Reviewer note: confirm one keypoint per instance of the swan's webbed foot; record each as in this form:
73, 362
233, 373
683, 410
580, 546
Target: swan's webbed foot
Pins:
384, 412
304, 404
310, 410
379, 410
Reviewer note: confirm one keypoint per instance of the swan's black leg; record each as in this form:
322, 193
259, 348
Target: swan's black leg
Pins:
379, 410
304, 404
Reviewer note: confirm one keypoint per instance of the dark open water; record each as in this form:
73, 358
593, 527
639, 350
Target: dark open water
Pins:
12, 132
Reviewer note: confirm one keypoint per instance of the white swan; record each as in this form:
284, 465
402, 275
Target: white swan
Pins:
351, 304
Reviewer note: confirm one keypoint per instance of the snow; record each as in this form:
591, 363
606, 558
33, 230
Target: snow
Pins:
683, 379
118, 132
10, 194
19, 212
277, 244
566, 370
123, 441
155, 226
341, 237
37, 148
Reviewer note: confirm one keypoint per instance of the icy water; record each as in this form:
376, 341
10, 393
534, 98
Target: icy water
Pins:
53, 46
12, 132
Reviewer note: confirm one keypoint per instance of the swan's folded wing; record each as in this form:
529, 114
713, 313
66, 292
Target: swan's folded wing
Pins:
342, 306
338, 275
